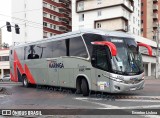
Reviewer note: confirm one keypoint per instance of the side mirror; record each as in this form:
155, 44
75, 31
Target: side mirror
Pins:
110, 45
148, 47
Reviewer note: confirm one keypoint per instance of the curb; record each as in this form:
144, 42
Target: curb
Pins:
10, 83
137, 97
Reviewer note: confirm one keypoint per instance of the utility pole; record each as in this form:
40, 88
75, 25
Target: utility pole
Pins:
157, 53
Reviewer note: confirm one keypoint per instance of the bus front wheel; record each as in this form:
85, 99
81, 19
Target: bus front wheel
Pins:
84, 87
25, 81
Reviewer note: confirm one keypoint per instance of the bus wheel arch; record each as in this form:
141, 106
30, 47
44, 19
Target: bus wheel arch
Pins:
25, 81
82, 85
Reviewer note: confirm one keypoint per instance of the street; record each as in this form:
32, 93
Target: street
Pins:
15, 96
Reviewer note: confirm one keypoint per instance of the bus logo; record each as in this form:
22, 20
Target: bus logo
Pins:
54, 64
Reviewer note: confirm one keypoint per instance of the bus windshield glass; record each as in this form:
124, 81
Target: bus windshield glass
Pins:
128, 60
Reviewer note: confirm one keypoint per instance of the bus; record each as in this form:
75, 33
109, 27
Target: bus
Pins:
87, 60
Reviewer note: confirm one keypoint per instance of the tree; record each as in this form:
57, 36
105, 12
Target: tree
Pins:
4, 45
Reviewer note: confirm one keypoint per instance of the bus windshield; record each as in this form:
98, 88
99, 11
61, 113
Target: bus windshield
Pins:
128, 60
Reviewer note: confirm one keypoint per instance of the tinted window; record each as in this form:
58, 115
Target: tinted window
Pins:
32, 51
77, 47
46, 50
4, 58
91, 38
59, 48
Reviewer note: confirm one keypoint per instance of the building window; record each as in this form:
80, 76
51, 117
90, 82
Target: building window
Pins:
54, 8
98, 25
141, 12
141, 21
141, 4
44, 14
45, 24
80, 6
138, 22
44, 4
99, 13
54, 26
154, 37
51, 26
51, 16
133, 30
51, 34
50, 6
99, 2
4, 58
45, 34
81, 17
133, 19
54, 17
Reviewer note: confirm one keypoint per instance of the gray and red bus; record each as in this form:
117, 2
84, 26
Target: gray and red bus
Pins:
106, 61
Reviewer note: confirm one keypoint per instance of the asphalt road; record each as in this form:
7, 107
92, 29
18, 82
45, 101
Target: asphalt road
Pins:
14, 96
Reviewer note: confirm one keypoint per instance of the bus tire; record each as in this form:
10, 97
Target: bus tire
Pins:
84, 87
25, 81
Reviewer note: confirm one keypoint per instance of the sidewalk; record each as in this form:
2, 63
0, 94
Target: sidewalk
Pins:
152, 80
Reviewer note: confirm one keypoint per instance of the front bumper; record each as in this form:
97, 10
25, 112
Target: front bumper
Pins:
119, 87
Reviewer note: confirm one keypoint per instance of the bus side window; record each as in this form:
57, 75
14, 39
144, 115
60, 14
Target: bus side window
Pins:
32, 52
77, 47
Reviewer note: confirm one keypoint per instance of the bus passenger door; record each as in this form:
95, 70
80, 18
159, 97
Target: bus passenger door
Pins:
100, 60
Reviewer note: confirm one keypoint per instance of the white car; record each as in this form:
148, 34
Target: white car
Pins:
6, 78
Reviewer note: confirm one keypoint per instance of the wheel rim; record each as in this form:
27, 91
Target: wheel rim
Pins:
25, 81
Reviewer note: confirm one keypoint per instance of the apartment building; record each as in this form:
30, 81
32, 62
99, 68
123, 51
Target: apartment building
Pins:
120, 15
0, 37
150, 17
4, 62
40, 19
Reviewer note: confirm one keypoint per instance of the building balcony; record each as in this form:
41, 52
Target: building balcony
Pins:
88, 5
125, 28
155, 25
155, 7
155, 1
129, 6
118, 24
155, 16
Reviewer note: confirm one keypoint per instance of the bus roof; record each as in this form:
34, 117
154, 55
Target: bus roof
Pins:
74, 33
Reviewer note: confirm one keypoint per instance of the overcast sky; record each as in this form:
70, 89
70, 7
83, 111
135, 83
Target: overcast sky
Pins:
5, 10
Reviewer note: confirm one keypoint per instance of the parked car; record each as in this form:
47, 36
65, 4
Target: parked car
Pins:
6, 78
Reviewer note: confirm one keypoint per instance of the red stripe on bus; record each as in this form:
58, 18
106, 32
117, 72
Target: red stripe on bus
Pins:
12, 77
15, 71
18, 63
29, 75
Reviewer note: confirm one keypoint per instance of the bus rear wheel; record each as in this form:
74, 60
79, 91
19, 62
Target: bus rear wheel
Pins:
25, 81
84, 87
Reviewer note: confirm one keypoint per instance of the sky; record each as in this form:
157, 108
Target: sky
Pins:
5, 15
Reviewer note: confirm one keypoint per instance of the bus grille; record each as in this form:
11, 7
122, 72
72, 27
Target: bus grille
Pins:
133, 81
